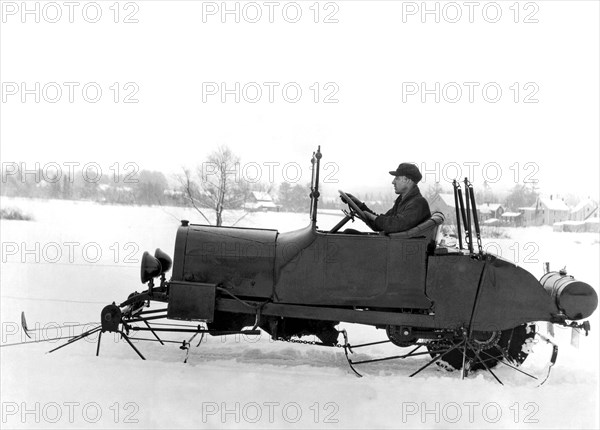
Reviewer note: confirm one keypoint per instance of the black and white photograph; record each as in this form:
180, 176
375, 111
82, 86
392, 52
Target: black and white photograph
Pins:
309, 214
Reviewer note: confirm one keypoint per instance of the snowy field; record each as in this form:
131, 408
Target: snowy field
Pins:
76, 257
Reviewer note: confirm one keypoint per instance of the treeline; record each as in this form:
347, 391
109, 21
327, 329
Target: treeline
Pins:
148, 187
145, 187
197, 189
520, 195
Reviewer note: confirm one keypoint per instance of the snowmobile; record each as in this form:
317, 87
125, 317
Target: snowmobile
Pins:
462, 308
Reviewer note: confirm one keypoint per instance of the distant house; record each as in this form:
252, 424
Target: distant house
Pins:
545, 211
444, 202
260, 201
512, 219
489, 211
492, 222
585, 209
531, 215
552, 210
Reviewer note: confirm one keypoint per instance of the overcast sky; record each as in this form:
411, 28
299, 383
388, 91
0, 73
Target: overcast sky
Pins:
372, 61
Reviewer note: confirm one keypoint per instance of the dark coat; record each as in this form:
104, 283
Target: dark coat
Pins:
409, 211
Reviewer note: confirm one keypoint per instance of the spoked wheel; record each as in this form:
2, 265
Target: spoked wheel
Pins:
484, 350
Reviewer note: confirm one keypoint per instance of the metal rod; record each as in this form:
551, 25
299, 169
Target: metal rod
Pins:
468, 231
485, 365
509, 365
369, 344
214, 333
315, 190
462, 211
75, 339
152, 312
458, 228
482, 279
475, 219
153, 332
98, 347
37, 341
410, 354
59, 327
133, 320
173, 325
439, 357
340, 224
346, 349
313, 205
463, 370
154, 340
132, 345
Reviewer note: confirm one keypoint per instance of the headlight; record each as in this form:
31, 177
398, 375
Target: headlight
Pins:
165, 260
151, 267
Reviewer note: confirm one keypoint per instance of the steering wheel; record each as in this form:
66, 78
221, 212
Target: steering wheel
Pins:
355, 209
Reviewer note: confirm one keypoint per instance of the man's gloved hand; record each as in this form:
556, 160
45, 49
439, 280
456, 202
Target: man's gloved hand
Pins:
358, 203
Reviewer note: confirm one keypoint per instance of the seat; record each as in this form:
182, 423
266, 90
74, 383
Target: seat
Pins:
427, 229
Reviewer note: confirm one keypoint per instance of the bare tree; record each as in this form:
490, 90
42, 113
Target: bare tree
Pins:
191, 192
218, 186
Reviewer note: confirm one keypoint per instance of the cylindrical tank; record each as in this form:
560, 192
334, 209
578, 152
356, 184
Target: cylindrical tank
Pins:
576, 299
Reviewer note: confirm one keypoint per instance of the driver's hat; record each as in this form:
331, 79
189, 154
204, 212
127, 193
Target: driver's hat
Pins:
411, 171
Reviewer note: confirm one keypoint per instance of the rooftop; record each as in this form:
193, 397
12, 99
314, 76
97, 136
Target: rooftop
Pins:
554, 204
489, 207
261, 196
511, 214
582, 204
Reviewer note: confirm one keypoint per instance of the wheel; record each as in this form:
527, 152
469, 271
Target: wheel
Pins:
354, 209
400, 336
486, 349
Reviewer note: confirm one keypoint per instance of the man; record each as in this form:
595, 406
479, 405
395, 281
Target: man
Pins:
410, 208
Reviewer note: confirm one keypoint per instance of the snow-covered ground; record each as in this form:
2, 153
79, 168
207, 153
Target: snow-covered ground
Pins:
76, 257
